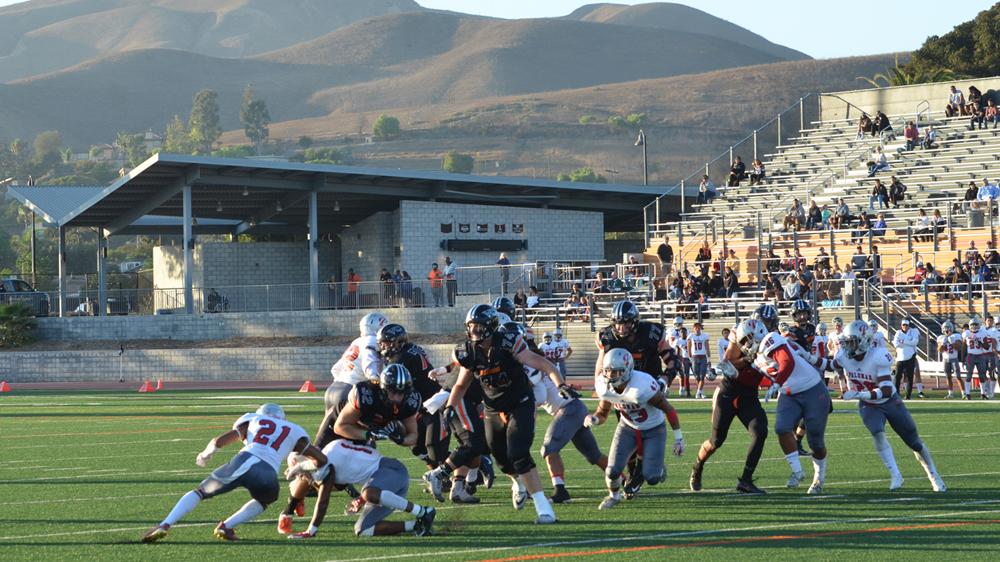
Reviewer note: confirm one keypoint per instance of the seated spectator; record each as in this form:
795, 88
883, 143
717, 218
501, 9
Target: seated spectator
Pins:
859, 262
841, 217
814, 220
879, 228
896, 192
880, 194
956, 103
788, 262
863, 228
992, 256
912, 135
730, 283
971, 253
971, 194
878, 162
991, 114
883, 127
977, 117
973, 103
737, 173
706, 190
733, 262
599, 284
520, 299
532, 299
757, 172
796, 215
988, 192
822, 259
864, 125
826, 214
715, 285
924, 230
930, 137
938, 221
919, 274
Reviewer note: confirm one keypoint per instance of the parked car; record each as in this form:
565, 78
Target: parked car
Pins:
18, 290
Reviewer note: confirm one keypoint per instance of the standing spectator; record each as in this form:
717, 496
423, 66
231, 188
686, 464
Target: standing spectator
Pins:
706, 190
407, 287
353, 283
333, 292
912, 135
436, 278
757, 172
883, 194
504, 264
733, 262
991, 115
737, 173
815, 217
666, 254
386, 278
905, 341
956, 103
930, 137
878, 162
450, 280
896, 191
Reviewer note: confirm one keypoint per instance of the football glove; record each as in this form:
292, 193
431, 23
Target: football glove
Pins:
396, 431
678, 443
852, 395
377, 434
591, 421
568, 392
772, 391
206, 455
435, 374
711, 375
727, 370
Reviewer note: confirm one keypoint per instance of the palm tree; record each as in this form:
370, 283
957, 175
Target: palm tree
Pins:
902, 75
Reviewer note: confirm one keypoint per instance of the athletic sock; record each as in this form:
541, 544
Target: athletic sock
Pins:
819, 469
793, 462
925, 460
884, 449
967, 386
293, 503
558, 481
442, 471
473, 475
920, 387
392, 501
409, 525
184, 506
542, 505
251, 509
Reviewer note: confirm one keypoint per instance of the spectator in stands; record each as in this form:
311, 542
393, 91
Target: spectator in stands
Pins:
826, 215
956, 103
450, 280
822, 259
924, 230
859, 261
520, 299
599, 284
912, 135
930, 138
737, 173
883, 127
971, 194
971, 253
874, 261
715, 285
880, 194
757, 172
992, 257
706, 190
799, 260
436, 278
973, 103
841, 218
796, 216
665, 252
957, 278
772, 263
733, 262
407, 287
533, 298
919, 274
731, 283
772, 286
788, 262
880, 226
988, 192
864, 125
387, 287
938, 221
863, 228
991, 114
878, 162
806, 280
814, 220
896, 192
504, 264
977, 117
353, 284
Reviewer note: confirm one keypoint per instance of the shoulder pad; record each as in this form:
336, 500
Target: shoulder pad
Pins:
771, 342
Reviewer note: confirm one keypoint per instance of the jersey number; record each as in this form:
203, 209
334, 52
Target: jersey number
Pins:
267, 428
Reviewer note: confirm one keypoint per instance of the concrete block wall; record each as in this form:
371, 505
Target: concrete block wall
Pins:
368, 246
229, 364
899, 100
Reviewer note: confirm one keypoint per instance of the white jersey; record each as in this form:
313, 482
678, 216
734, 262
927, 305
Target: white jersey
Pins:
950, 344
723, 343
564, 348
360, 362
803, 376
673, 335
270, 439
863, 375
352, 463
833, 345
979, 342
633, 400
682, 347
821, 346
699, 345
551, 351
878, 340
994, 333
551, 400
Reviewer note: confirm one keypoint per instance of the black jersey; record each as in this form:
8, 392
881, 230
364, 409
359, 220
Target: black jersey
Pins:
645, 346
414, 358
376, 410
500, 375
803, 335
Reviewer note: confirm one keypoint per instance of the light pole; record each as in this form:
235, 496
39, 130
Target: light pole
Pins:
641, 141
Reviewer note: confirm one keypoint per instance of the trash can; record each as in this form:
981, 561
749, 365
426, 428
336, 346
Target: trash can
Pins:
974, 218
749, 232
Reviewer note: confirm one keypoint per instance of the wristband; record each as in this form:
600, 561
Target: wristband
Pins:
678, 436
210, 449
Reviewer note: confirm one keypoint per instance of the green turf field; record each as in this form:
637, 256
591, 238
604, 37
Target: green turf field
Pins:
83, 476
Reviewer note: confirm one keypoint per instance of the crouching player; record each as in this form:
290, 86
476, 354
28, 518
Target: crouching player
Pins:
868, 373
383, 482
268, 438
644, 411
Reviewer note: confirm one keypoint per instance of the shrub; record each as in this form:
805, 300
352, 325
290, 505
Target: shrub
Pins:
386, 127
17, 325
587, 119
617, 122
636, 119
458, 163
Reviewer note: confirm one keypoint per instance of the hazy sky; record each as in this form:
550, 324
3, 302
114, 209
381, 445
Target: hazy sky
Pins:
841, 27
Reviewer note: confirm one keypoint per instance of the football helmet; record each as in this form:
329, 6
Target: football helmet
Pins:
271, 410
749, 334
547, 336
371, 323
783, 328
481, 322
948, 328
838, 321
506, 306
801, 311
624, 318
558, 334
391, 338
678, 321
395, 379
767, 314
618, 366
821, 329
856, 339
975, 323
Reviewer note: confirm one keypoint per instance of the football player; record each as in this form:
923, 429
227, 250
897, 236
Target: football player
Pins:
644, 412
736, 397
684, 352
384, 483
565, 350
878, 339
868, 371
359, 362
496, 359
802, 396
803, 332
833, 345
701, 358
978, 345
949, 347
267, 437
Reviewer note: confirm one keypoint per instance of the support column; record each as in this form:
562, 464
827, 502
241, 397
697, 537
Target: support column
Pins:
313, 251
102, 255
61, 261
188, 251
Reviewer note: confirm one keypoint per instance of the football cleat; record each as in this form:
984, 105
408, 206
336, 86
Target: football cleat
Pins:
486, 471
897, 482
224, 533
156, 533
921, 395
517, 497
301, 536
795, 479
424, 525
285, 524
433, 482
459, 495
937, 484
561, 495
816, 488
545, 519
695, 481
748, 487
610, 501
355, 507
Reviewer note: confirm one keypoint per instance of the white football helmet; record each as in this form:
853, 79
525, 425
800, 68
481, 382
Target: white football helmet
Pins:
975, 323
749, 334
271, 410
856, 339
547, 336
678, 321
873, 324
618, 366
371, 323
821, 329
948, 328
838, 321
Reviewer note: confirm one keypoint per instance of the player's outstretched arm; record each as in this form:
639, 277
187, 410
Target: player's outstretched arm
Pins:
220, 442
540, 363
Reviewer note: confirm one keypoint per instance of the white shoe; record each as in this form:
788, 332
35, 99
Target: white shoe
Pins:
937, 484
816, 488
699, 396
517, 497
545, 519
433, 484
610, 501
949, 395
795, 479
897, 482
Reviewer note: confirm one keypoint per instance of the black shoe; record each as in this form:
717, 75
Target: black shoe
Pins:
486, 471
561, 495
635, 478
424, 525
748, 487
471, 487
802, 451
695, 481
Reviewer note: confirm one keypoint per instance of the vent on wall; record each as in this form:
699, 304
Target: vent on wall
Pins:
484, 245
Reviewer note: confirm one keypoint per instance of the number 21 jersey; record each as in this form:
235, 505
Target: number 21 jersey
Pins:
270, 439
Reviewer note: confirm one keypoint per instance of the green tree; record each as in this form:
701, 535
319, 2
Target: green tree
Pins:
970, 49
326, 155
586, 175
458, 163
386, 127
305, 142
178, 137
237, 151
132, 147
19, 154
204, 125
47, 151
587, 119
904, 75
255, 118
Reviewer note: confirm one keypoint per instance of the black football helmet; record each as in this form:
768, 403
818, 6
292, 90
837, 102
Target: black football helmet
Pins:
624, 318
767, 314
801, 311
395, 379
506, 306
481, 322
391, 338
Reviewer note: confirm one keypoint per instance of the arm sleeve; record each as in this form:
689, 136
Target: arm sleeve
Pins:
786, 364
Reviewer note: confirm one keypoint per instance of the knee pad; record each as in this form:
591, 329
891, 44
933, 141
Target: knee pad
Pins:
654, 477
611, 475
523, 465
816, 440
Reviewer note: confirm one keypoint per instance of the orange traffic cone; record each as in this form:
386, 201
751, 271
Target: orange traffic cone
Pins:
307, 387
146, 387
159, 384
4, 387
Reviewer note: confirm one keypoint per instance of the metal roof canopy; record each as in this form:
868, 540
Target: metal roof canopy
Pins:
251, 192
